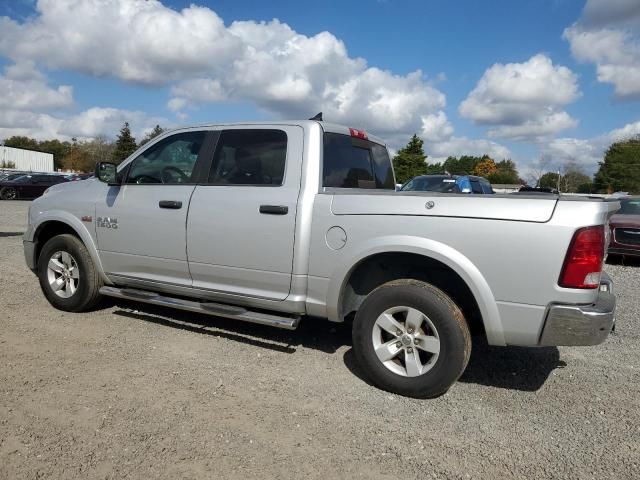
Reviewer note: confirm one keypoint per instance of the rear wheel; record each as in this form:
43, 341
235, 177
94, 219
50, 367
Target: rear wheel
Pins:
8, 193
411, 339
67, 275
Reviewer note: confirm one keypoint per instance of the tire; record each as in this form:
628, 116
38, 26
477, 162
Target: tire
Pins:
422, 362
8, 193
73, 273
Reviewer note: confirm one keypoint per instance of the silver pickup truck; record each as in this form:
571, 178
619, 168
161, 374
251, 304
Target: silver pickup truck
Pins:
270, 222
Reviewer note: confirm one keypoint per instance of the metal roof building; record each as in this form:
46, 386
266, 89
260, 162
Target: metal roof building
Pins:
25, 160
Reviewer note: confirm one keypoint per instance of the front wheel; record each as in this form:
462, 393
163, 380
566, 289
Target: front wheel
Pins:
411, 339
8, 193
67, 275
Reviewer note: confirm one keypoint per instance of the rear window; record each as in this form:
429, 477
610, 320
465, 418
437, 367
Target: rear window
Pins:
350, 162
431, 184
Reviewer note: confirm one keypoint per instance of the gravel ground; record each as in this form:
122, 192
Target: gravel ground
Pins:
131, 391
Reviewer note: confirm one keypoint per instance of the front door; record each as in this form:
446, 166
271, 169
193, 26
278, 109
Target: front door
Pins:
141, 225
240, 230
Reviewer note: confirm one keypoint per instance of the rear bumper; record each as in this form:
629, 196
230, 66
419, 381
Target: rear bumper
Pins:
581, 324
30, 254
630, 251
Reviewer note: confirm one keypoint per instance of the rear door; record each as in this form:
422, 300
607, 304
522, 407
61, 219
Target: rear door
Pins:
141, 225
240, 230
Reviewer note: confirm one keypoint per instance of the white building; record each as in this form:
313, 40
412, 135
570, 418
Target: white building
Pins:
25, 160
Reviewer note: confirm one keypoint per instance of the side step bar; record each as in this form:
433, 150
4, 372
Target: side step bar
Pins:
208, 308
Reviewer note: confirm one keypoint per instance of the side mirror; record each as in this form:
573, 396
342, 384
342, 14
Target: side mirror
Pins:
107, 172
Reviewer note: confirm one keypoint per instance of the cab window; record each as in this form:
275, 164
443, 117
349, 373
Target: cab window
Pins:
249, 157
170, 161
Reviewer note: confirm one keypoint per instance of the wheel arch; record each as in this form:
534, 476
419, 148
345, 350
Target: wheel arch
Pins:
59, 223
421, 259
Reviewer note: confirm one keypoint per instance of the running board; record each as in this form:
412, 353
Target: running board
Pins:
208, 308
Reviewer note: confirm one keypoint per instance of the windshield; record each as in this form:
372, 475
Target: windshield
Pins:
431, 184
630, 206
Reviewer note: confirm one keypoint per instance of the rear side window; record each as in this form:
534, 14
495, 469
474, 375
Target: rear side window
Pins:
486, 187
350, 162
249, 157
475, 186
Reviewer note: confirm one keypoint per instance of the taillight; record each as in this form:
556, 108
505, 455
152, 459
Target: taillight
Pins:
583, 264
358, 133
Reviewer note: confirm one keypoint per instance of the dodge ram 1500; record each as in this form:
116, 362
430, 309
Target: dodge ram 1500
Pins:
270, 222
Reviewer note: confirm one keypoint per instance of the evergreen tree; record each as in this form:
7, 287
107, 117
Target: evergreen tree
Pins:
125, 144
157, 130
410, 160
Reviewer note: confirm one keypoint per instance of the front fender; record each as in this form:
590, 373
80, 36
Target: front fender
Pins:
78, 227
449, 256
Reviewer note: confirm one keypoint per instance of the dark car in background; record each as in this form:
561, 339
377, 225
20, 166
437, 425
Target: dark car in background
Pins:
448, 184
28, 186
625, 228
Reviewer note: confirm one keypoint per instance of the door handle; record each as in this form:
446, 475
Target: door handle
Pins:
274, 209
172, 204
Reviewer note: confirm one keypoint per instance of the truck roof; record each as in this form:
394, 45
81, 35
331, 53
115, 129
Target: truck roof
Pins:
326, 126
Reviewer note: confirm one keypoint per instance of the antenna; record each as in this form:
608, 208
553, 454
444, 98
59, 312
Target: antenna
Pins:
318, 117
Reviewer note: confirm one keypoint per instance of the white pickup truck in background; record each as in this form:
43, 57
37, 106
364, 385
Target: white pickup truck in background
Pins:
269, 222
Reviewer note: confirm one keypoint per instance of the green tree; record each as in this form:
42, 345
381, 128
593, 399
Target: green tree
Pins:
620, 169
410, 160
507, 173
157, 130
125, 144
463, 165
549, 180
434, 168
25, 143
573, 179
57, 148
585, 187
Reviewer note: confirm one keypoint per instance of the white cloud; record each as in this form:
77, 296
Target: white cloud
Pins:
87, 124
23, 87
607, 34
436, 127
136, 40
204, 61
523, 101
440, 142
587, 152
